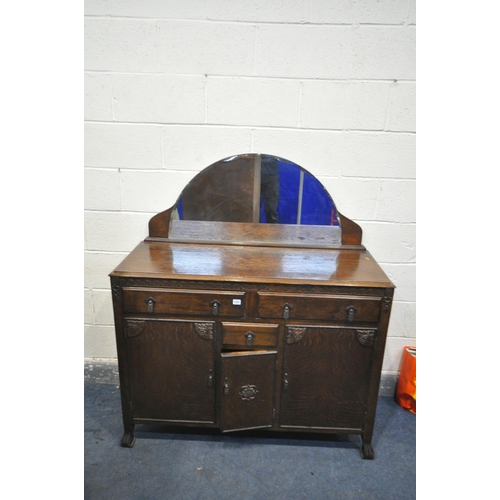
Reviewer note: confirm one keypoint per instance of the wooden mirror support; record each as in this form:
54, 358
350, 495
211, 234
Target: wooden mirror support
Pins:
226, 322
230, 191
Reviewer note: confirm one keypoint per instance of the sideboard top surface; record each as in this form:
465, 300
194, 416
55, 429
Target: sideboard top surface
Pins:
215, 262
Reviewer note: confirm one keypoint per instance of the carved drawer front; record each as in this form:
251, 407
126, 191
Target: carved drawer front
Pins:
319, 307
249, 334
183, 302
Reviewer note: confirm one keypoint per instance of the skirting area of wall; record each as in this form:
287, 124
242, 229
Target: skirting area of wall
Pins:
106, 372
101, 371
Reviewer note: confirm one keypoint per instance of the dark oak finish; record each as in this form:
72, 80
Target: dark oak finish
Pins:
250, 326
347, 309
326, 354
351, 232
182, 302
152, 259
248, 387
249, 335
170, 366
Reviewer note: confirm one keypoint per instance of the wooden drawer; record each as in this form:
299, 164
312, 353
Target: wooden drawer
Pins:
183, 302
319, 307
249, 334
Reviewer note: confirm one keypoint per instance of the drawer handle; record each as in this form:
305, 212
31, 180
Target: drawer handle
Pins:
215, 307
151, 304
226, 387
210, 378
286, 311
285, 382
351, 311
249, 336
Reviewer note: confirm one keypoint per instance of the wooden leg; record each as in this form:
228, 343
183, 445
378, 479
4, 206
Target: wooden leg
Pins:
128, 438
367, 451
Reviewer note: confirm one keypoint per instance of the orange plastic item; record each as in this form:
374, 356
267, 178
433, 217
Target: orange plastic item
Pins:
406, 390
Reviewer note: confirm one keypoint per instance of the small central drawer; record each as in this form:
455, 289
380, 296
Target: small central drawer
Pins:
319, 307
249, 334
183, 302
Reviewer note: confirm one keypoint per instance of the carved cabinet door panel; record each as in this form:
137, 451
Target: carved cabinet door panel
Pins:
171, 369
326, 376
247, 389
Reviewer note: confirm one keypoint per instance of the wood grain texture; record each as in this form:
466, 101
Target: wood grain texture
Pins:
328, 373
182, 302
169, 369
255, 233
318, 307
263, 335
253, 264
241, 370
239, 325
352, 234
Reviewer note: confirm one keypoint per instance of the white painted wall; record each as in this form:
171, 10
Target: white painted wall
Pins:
172, 86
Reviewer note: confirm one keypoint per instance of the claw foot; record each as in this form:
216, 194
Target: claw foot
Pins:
128, 440
367, 451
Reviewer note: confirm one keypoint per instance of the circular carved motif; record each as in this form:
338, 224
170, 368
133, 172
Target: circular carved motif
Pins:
248, 392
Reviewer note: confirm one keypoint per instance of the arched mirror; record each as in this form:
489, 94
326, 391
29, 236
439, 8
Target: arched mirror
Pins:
263, 191
256, 188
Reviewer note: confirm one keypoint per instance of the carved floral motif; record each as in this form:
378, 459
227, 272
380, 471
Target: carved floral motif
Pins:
205, 330
248, 392
366, 337
295, 334
134, 327
387, 303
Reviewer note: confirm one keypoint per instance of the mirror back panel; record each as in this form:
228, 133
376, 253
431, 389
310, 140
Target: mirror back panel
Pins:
258, 189
227, 191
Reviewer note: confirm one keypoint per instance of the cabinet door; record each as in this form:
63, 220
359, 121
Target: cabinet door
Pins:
171, 370
326, 377
247, 389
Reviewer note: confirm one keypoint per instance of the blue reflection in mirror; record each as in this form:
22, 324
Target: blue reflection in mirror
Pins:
291, 195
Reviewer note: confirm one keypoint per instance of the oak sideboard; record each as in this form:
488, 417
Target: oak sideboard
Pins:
243, 312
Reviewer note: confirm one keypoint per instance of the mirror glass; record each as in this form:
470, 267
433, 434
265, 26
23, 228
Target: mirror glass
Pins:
256, 188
